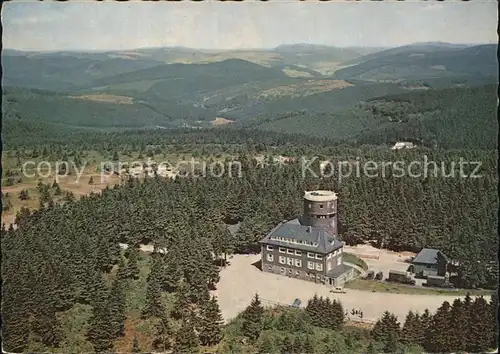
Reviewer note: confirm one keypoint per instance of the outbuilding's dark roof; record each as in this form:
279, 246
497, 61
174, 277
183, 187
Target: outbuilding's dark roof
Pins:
429, 256
293, 229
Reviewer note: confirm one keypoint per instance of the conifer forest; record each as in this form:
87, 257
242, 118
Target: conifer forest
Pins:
243, 178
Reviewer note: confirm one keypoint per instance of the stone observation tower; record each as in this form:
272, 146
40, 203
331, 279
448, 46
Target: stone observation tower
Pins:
307, 247
320, 210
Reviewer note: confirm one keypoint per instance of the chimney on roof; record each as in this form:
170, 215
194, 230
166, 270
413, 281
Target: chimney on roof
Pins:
309, 228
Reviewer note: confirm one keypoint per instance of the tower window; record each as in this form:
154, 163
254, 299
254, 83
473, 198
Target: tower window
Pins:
321, 206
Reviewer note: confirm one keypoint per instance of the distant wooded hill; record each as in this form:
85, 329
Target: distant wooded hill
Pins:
448, 118
425, 61
284, 89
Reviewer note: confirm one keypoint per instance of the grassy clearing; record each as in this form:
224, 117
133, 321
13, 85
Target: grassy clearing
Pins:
395, 288
351, 258
105, 98
74, 323
305, 88
77, 181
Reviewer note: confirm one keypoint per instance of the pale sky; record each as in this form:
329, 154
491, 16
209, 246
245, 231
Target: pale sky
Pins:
223, 25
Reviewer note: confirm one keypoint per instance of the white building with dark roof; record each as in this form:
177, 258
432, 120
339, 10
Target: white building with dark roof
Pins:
403, 145
429, 261
308, 247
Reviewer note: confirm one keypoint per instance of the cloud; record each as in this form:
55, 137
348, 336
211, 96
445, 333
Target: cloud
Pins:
88, 25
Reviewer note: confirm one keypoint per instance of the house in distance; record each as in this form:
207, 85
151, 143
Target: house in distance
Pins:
308, 247
429, 262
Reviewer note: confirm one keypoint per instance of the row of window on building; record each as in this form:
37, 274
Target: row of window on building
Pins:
321, 206
292, 240
329, 216
299, 253
297, 272
295, 262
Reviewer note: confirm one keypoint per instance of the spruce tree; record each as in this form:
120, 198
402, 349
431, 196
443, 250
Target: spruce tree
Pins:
391, 344
438, 337
210, 323
253, 319
172, 275
493, 320
181, 303
337, 314
154, 303
163, 334
198, 286
479, 333
116, 305
101, 331
45, 324
186, 340
132, 268
410, 328
423, 326
122, 270
313, 309
387, 325
459, 319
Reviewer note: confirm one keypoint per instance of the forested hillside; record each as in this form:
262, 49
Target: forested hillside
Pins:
65, 259
62, 72
34, 107
331, 101
451, 118
424, 61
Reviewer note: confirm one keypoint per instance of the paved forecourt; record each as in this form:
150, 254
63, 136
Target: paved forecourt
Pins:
241, 280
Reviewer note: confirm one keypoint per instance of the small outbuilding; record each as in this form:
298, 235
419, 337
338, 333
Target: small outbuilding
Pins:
429, 261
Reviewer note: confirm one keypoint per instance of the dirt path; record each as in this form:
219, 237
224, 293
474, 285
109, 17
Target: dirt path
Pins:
242, 280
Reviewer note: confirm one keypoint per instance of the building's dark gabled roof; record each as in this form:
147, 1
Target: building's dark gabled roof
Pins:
293, 229
429, 256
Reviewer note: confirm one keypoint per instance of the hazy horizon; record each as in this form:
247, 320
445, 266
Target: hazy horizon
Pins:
238, 49
101, 26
